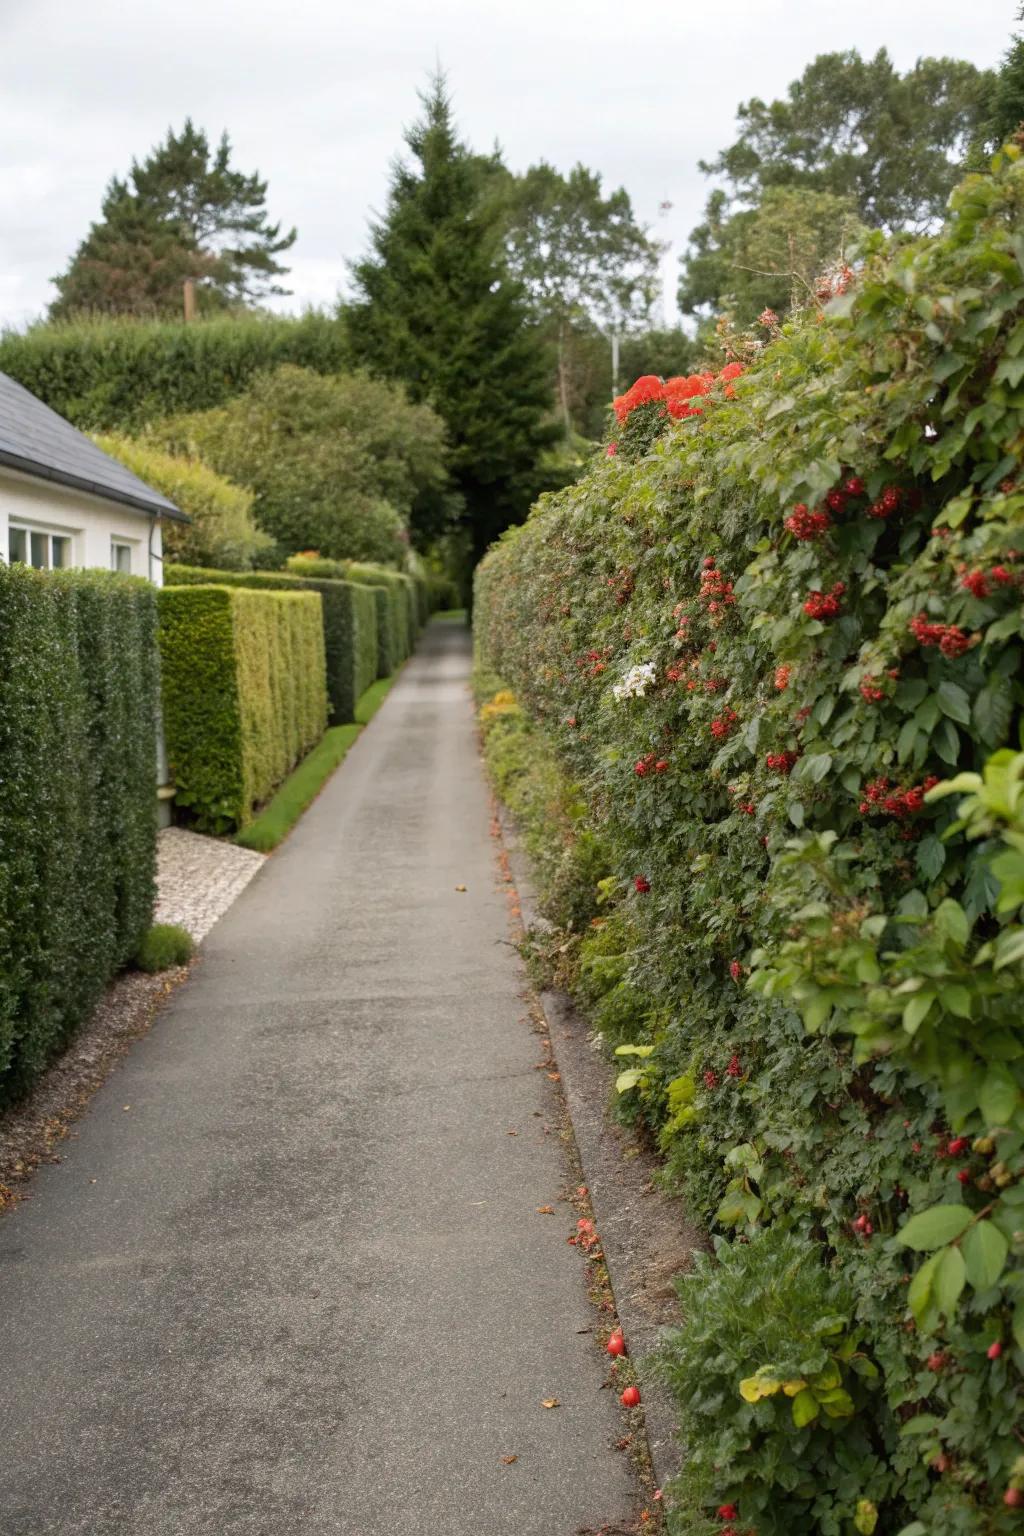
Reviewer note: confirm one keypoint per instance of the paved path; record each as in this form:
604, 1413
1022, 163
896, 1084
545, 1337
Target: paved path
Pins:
290, 1279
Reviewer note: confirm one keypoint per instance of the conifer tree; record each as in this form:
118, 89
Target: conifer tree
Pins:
437, 307
184, 212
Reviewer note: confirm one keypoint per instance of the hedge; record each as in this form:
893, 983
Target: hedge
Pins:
78, 690
349, 619
397, 597
775, 643
117, 375
244, 695
221, 531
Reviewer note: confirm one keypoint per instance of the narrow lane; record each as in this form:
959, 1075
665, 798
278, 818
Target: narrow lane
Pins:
290, 1277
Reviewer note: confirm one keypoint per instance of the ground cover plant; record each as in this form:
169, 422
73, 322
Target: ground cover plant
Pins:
771, 648
78, 704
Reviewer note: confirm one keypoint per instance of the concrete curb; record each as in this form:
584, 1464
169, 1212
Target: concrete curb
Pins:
645, 1235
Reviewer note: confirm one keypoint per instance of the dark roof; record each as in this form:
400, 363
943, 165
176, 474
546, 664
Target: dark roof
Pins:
38, 442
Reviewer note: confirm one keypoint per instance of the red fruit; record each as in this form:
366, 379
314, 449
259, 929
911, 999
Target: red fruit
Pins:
964, 1175
956, 1146
854, 486
735, 970
1013, 1498
642, 884
728, 1512
616, 1344
630, 1398
995, 1350
936, 1361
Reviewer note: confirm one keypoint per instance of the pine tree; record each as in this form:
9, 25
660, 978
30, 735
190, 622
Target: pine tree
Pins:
184, 212
437, 307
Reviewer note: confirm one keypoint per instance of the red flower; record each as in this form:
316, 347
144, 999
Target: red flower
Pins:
710, 1078
735, 971
728, 1512
804, 524
825, 605
768, 318
642, 884
661, 766
612, 450
782, 677
870, 691
724, 724
949, 638
781, 762
975, 582
734, 1069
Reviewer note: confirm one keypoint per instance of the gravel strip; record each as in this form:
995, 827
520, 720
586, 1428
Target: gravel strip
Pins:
198, 878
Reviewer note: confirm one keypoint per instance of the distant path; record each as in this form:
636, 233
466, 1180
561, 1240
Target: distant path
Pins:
300, 1286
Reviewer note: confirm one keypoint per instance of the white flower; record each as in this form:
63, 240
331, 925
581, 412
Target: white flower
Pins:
636, 682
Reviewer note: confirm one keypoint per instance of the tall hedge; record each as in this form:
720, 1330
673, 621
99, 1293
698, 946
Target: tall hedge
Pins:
775, 642
78, 690
397, 596
349, 619
244, 695
117, 375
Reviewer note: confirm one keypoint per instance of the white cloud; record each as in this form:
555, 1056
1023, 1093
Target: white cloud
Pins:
315, 95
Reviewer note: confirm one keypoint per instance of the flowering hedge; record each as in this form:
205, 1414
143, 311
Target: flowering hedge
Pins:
776, 644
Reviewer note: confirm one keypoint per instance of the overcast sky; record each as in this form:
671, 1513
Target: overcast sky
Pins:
315, 94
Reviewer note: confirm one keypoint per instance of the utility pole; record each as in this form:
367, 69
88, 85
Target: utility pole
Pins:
615, 363
188, 292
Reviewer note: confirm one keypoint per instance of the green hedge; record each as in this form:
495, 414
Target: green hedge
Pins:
78, 689
350, 626
244, 694
114, 375
397, 597
774, 643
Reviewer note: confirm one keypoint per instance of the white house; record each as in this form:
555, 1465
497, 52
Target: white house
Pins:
63, 501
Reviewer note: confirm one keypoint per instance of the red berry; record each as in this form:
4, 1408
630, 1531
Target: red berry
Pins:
735, 970
642, 884
956, 1146
964, 1175
936, 1361
616, 1344
630, 1398
995, 1350
1013, 1498
728, 1512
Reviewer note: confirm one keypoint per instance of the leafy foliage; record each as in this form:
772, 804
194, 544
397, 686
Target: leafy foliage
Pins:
337, 464
164, 945
767, 647
118, 375
221, 532
244, 695
349, 619
184, 212
78, 696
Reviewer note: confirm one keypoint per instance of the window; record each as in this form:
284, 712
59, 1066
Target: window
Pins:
120, 557
41, 547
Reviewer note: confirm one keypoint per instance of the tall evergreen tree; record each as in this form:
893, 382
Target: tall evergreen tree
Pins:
184, 212
437, 307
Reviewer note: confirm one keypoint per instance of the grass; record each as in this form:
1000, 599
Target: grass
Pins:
305, 782
449, 613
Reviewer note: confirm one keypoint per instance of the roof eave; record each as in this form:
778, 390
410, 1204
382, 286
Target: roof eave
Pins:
80, 483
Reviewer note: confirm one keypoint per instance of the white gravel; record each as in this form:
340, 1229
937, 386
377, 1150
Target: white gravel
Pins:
198, 878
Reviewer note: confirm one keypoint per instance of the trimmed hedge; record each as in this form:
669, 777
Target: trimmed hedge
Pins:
349, 618
776, 643
398, 598
116, 375
244, 694
78, 703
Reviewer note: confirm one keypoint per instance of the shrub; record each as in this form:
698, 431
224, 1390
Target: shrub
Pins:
337, 464
244, 695
163, 946
349, 620
768, 641
221, 533
108, 375
78, 681
394, 595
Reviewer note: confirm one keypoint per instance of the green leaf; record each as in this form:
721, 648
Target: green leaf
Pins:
916, 1011
919, 1296
984, 1250
954, 702
950, 1279
1017, 1325
838, 1404
805, 1408
951, 922
931, 856
946, 742
1009, 948
934, 1228
629, 1079
998, 1095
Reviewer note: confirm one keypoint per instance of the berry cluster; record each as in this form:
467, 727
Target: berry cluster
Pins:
724, 724
651, 763
869, 686
888, 503
825, 605
804, 524
642, 884
781, 762
882, 798
594, 662
715, 592
622, 584
782, 677
977, 582
949, 638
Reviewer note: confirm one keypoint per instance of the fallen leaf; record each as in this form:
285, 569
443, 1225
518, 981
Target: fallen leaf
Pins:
551, 1402
460, 887
556, 1077
126, 1106
511, 1133
545, 1210
507, 1461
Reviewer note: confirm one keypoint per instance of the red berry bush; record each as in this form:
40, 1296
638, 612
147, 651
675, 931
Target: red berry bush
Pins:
823, 634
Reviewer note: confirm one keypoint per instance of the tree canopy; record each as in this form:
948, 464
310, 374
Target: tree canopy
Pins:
870, 144
183, 212
437, 307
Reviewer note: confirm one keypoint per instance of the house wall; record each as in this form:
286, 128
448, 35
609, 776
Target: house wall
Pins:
90, 522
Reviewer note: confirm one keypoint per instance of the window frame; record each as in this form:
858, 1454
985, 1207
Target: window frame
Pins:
47, 531
119, 542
